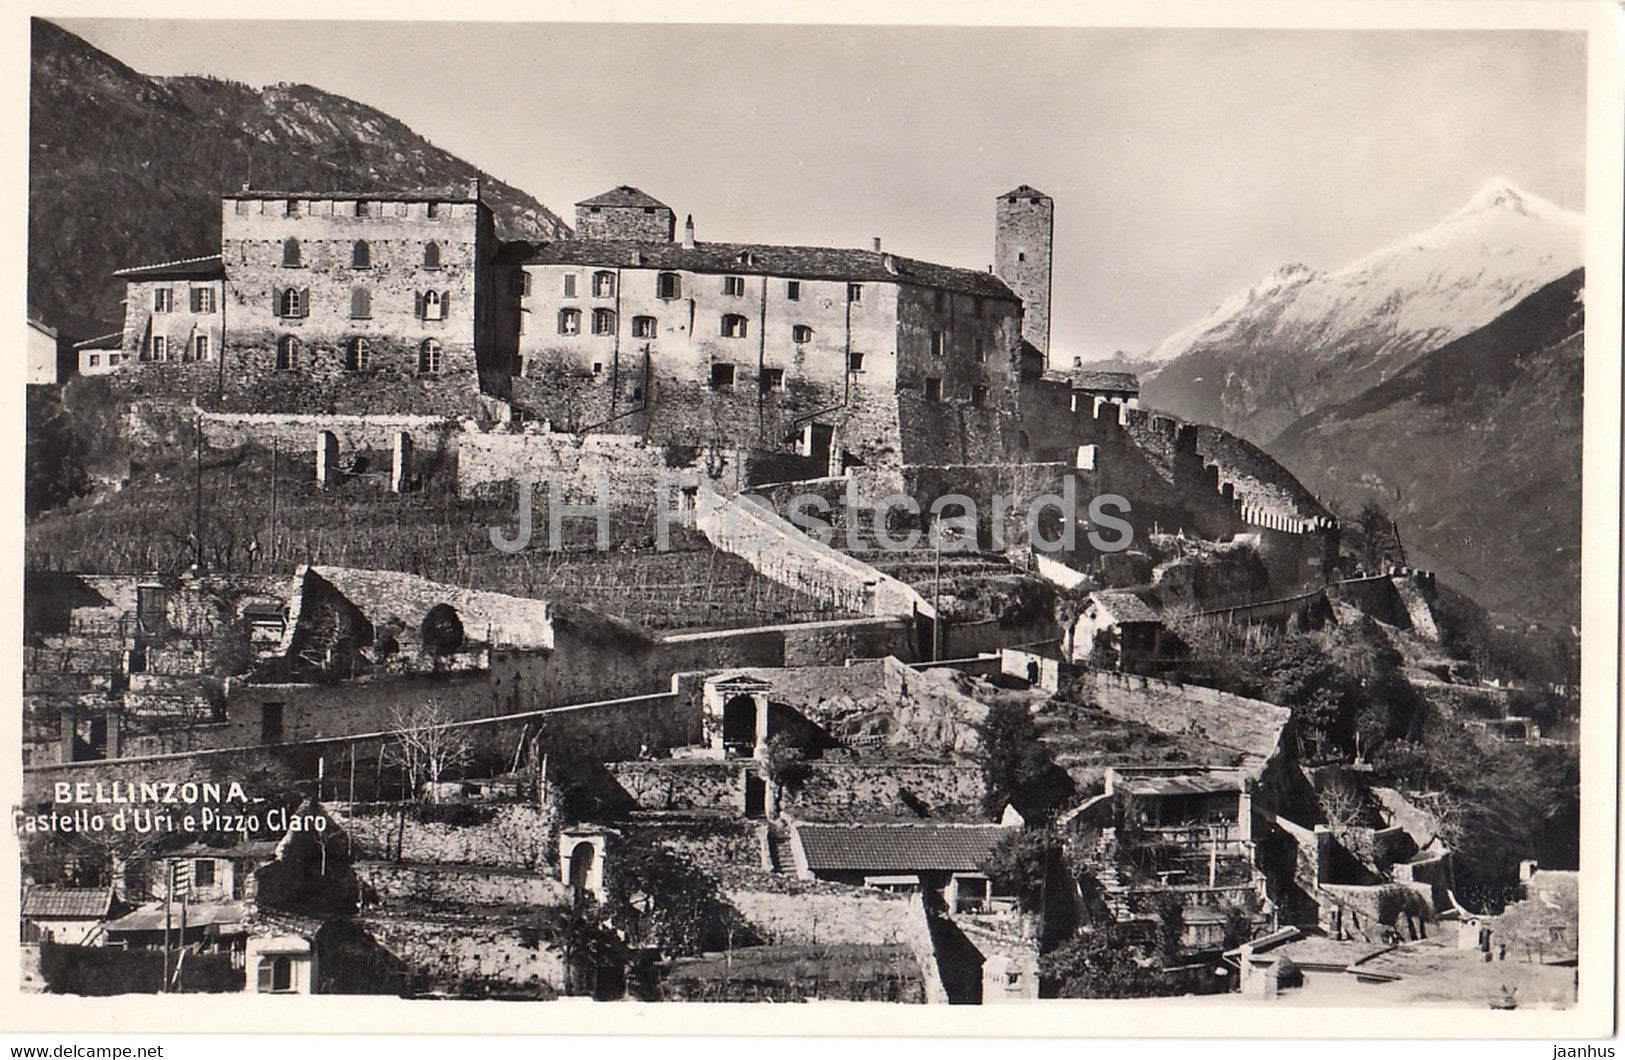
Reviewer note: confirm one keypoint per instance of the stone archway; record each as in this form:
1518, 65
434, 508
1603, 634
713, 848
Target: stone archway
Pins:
739, 735
581, 865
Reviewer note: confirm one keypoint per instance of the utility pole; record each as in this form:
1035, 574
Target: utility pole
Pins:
197, 517
169, 896
273, 501
936, 593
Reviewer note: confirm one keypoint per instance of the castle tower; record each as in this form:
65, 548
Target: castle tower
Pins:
1023, 236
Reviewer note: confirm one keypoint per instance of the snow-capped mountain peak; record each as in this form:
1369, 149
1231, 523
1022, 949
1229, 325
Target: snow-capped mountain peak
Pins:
1501, 194
1299, 339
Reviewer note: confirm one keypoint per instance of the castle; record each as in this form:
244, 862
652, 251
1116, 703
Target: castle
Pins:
356, 304
798, 362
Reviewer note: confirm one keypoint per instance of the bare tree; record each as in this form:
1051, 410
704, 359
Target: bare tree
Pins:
428, 746
1342, 804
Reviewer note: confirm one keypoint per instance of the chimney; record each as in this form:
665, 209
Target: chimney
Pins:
877, 242
474, 189
688, 232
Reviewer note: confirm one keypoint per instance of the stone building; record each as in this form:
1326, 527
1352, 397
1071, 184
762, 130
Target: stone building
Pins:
360, 303
174, 311
850, 356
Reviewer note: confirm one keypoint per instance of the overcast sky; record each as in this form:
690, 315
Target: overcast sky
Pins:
1185, 164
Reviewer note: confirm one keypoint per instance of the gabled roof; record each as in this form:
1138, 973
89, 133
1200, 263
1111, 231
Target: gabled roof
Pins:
68, 903
625, 195
765, 259
1120, 605
1099, 379
1026, 191
208, 267
893, 848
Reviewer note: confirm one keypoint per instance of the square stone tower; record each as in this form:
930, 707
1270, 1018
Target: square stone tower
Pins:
625, 214
1023, 240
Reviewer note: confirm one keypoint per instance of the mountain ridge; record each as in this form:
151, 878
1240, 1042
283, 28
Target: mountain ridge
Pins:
125, 168
1301, 339
1474, 449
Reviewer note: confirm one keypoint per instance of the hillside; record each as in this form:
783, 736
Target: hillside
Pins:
1301, 340
1474, 449
126, 169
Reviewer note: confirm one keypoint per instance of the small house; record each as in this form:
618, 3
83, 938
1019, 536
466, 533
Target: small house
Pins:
1126, 630
71, 916
945, 859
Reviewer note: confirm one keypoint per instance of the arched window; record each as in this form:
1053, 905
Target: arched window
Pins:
290, 252
292, 303
431, 255
603, 322
433, 306
429, 358
287, 353
733, 326
360, 303
281, 974
603, 285
569, 322
357, 357
360, 254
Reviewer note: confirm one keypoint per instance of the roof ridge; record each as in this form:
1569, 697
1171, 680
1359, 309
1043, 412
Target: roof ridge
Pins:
170, 264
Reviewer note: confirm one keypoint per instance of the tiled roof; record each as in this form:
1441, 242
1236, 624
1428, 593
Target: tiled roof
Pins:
208, 267
1122, 606
878, 848
1098, 379
71, 903
625, 195
514, 621
763, 259
1195, 783
254, 849
198, 914
461, 193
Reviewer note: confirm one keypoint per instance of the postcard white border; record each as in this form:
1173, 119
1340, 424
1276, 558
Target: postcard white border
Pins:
1593, 1016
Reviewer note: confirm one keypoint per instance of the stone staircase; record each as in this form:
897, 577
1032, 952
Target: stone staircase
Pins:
778, 849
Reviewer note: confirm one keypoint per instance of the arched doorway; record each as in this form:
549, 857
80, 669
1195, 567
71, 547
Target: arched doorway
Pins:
581, 859
739, 726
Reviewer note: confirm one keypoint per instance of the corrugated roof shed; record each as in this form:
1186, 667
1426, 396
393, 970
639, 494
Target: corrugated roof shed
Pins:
67, 903
877, 848
763, 259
